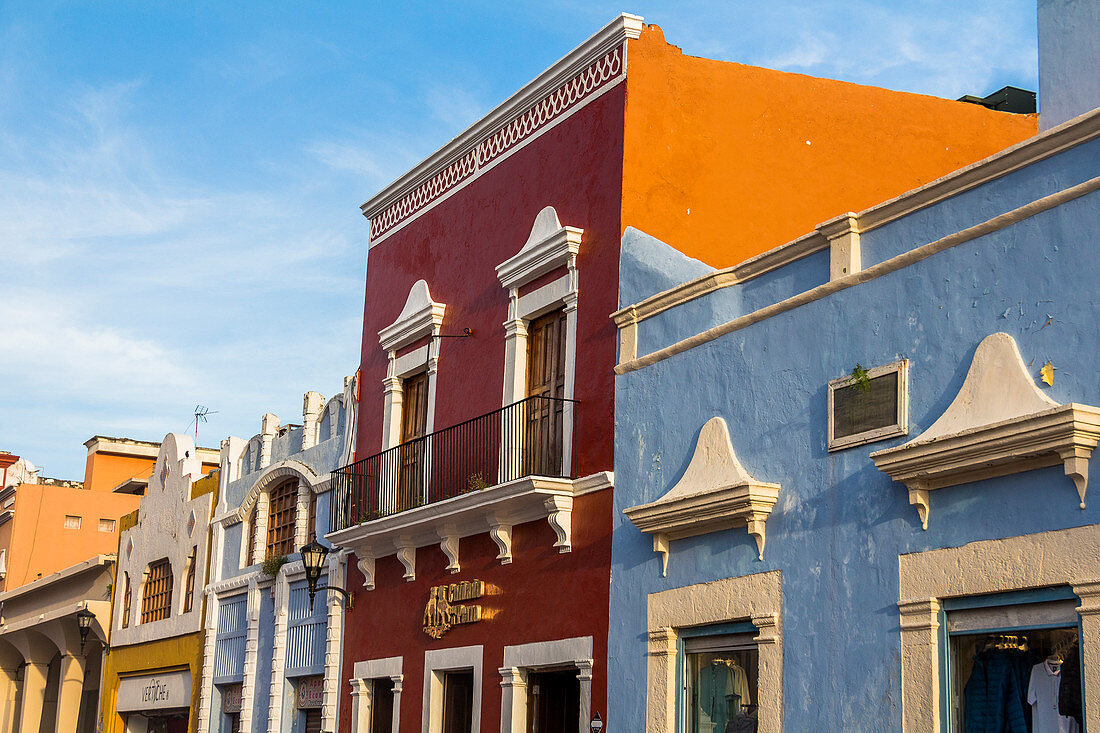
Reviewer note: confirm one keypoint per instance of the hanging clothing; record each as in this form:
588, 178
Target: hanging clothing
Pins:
1042, 694
1069, 692
996, 693
715, 690
740, 682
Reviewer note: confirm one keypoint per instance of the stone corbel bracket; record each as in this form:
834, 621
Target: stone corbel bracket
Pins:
999, 423
560, 516
406, 553
449, 544
366, 566
715, 493
501, 533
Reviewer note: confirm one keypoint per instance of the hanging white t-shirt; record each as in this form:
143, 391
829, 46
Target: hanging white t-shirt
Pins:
1042, 693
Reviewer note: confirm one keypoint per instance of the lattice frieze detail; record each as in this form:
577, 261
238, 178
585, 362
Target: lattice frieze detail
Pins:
597, 75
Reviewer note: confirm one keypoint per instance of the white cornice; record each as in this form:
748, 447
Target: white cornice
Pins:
549, 246
421, 317
614, 34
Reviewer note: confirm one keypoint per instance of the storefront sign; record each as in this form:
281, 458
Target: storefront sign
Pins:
441, 613
155, 692
232, 698
311, 692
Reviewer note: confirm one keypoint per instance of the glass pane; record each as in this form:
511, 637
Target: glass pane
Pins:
721, 691
1013, 680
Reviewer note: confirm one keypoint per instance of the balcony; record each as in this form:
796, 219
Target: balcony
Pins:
487, 474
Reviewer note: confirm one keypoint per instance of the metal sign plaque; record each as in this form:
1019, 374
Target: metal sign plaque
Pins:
443, 611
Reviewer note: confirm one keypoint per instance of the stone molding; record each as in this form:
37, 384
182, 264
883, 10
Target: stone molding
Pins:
999, 423
715, 493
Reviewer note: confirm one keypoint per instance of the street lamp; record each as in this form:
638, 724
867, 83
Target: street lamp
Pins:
313, 559
84, 619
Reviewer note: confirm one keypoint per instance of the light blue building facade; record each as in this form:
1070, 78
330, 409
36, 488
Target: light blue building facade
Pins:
272, 660
852, 474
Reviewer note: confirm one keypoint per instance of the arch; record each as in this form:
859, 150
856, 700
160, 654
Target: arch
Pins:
274, 474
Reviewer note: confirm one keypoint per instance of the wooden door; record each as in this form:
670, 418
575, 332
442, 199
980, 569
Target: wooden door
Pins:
546, 337
414, 424
458, 702
553, 702
381, 708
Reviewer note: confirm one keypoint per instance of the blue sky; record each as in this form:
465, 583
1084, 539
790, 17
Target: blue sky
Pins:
180, 182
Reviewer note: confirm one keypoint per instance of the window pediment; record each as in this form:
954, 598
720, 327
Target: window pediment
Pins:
549, 246
715, 493
420, 317
999, 423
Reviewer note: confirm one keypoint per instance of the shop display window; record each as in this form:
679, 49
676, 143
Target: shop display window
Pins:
1014, 666
720, 683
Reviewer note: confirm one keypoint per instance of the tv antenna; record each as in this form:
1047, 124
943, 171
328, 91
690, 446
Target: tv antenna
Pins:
201, 411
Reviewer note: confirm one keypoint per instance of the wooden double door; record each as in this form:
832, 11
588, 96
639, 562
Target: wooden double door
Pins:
545, 415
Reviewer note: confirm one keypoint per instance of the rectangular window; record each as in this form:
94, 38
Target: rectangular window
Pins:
72, 522
546, 342
381, 706
106, 525
869, 405
156, 598
458, 702
1018, 660
720, 675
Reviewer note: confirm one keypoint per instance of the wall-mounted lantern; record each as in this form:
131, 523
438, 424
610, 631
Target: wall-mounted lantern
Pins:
84, 619
313, 559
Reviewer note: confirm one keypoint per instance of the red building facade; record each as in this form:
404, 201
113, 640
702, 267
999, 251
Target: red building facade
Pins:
478, 515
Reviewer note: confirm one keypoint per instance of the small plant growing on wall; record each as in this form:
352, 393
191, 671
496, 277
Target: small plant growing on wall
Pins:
368, 515
272, 563
475, 482
861, 382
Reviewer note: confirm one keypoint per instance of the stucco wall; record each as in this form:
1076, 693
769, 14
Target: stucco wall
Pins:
1069, 54
180, 652
840, 524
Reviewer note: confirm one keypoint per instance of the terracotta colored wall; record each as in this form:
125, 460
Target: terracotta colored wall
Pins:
455, 247
39, 541
712, 147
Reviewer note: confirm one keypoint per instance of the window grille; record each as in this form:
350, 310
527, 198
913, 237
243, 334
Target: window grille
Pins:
156, 599
189, 584
282, 504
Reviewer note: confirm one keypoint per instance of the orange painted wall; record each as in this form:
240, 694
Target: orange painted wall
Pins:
38, 541
105, 471
725, 161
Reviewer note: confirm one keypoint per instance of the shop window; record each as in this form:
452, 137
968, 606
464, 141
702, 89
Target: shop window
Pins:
156, 597
282, 515
1014, 662
189, 584
458, 702
125, 600
869, 405
553, 702
721, 682
381, 709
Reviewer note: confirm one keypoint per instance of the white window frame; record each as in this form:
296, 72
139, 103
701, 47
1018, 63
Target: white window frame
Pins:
421, 318
756, 598
549, 247
522, 659
362, 691
900, 425
438, 662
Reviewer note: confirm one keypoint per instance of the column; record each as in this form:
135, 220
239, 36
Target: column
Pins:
584, 676
361, 700
513, 700
251, 654
34, 693
920, 689
69, 692
397, 682
1089, 593
8, 690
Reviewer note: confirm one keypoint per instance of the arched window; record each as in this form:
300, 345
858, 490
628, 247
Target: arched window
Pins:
156, 597
125, 600
189, 584
281, 518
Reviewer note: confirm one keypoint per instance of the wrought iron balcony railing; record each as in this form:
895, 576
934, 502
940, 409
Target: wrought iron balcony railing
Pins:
518, 440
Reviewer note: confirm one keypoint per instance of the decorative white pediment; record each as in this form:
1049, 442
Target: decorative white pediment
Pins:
715, 493
420, 317
549, 246
999, 423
